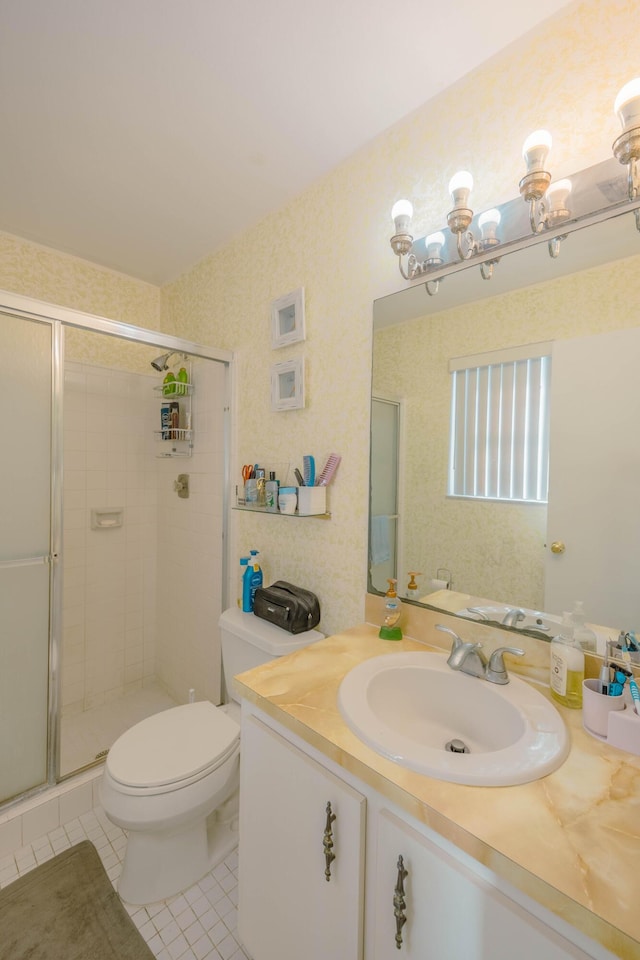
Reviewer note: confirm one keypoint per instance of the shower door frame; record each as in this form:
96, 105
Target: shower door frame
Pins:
58, 318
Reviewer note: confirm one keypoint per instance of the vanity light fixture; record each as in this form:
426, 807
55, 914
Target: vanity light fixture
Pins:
549, 206
459, 220
548, 202
434, 244
402, 241
626, 149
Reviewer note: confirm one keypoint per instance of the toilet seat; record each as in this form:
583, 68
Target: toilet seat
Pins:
172, 749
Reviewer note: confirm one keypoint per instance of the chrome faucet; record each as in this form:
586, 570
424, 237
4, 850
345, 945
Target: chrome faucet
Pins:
512, 616
469, 658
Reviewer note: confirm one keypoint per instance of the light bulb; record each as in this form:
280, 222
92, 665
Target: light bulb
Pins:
535, 150
434, 244
401, 212
627, 105
488, 223
557, 194
460, 186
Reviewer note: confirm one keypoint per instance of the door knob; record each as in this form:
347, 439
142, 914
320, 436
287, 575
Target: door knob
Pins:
557, 546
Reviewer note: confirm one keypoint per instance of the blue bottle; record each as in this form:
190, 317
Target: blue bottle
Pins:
251, 580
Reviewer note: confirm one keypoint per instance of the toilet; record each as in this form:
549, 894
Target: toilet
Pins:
171, 781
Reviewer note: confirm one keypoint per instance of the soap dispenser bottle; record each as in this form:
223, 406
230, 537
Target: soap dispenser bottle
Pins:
567, 666
390, 629
581, 632
412, 586
251, 581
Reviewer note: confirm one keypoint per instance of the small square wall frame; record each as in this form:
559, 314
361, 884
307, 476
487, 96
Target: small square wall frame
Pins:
287, 385
287, 319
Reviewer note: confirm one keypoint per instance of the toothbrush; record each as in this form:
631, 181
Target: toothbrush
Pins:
330, 468
309, 469
635, 693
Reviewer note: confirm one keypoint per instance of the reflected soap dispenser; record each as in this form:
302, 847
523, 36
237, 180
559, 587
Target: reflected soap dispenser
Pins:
412, 586
567, 666
390, 629
581, 632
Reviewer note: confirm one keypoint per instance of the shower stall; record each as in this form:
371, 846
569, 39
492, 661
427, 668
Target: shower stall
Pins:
113, 499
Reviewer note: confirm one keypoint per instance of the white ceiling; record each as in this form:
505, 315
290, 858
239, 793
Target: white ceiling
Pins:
143, 134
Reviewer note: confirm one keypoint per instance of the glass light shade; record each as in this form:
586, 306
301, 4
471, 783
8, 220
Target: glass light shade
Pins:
558, 194
488, 223
627, 105
401, 212
535, 150
460, 186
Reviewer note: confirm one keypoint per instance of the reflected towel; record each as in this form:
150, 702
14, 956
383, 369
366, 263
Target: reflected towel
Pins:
380, 549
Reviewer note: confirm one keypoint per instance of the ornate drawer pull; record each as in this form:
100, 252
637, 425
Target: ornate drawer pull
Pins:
399, 903
327, 842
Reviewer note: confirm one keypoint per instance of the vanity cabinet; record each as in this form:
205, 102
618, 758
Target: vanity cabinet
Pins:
453, 907
448, 910
301, 881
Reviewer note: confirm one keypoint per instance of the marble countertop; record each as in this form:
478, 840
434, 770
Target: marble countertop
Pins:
571, 840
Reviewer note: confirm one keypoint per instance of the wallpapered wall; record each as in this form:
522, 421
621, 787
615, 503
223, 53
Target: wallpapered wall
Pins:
334, 240
493, 550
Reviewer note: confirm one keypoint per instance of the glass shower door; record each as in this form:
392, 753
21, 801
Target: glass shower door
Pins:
25, 553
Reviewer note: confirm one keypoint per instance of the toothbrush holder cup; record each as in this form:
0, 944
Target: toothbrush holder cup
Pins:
596, 707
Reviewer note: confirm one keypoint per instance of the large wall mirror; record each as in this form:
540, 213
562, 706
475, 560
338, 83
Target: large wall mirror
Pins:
493, 554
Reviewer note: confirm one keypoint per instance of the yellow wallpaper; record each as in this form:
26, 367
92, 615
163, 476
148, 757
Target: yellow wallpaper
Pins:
35, 271
334, 240
493, 550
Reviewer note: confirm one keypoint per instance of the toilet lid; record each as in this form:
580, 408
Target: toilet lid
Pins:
173, 745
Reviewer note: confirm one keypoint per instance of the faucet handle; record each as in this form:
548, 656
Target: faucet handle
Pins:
496, 670
457, 641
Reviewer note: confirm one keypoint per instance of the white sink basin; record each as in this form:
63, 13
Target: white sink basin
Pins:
409, 706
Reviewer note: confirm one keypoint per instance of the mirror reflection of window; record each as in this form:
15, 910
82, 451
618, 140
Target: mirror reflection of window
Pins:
499, 446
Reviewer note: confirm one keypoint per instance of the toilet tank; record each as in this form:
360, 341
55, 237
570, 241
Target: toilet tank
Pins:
248, 641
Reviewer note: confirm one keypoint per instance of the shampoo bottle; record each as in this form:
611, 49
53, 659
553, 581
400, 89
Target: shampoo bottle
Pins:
251, 581
390, 629
581, 632
244, 561
567, 666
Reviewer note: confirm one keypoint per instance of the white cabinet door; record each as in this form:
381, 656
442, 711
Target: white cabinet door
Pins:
451, 914
288, 909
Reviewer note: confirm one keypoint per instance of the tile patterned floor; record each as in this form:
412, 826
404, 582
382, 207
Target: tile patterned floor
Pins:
199, 924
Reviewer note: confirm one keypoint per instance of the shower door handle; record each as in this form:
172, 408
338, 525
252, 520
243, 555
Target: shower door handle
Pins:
29, 561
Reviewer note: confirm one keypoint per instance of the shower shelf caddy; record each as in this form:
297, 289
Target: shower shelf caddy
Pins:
176, 441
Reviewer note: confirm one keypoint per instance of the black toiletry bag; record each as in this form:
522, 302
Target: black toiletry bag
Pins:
289, 607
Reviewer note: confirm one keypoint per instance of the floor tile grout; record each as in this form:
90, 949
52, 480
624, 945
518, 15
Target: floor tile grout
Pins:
198, 924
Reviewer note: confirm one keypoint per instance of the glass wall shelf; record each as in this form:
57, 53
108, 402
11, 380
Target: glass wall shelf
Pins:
254, 508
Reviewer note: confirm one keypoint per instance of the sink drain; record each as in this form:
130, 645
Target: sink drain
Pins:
456, 746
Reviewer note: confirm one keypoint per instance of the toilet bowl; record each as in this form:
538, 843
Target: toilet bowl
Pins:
171, 781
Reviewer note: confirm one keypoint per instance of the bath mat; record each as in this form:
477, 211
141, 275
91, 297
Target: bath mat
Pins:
67, 909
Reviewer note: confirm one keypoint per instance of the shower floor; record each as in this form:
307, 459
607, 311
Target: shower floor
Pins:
85, 735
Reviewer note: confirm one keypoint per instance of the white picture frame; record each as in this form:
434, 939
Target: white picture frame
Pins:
287, 319
287, 385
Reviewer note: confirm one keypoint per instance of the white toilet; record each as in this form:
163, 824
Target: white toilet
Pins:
171, 781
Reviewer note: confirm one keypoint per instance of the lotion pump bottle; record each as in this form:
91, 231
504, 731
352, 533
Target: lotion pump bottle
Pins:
390, 629
567, 666
581, 632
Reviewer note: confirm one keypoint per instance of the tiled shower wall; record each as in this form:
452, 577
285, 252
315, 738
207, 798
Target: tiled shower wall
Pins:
109, 600
190, 549
140, 601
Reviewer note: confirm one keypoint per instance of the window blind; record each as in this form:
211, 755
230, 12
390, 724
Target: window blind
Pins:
499, 445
